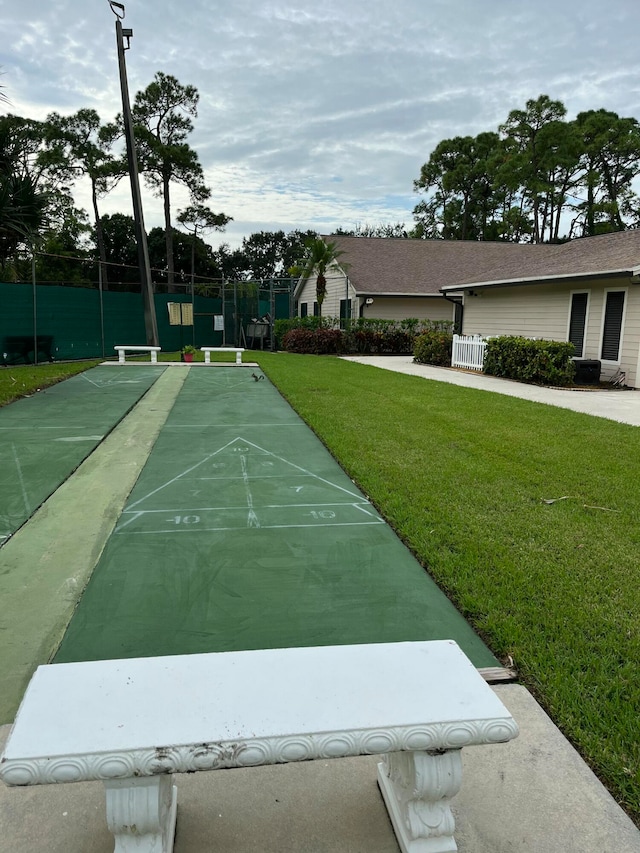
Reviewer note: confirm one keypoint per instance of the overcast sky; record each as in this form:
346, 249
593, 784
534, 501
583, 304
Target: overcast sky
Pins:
320, 114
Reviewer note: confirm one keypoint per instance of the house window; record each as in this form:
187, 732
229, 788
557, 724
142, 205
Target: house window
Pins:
578, 321
612, 328
345, 312
316, 309
304, 309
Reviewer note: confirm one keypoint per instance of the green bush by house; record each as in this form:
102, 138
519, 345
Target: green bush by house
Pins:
434, 347
538, 362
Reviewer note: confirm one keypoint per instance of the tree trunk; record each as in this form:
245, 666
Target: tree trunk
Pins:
102, 254
614, 217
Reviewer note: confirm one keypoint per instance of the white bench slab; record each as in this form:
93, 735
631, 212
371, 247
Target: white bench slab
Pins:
122, 350
208, 350
133, 723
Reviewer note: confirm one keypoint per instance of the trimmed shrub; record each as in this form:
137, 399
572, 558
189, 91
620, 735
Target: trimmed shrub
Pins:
434, 347
370, 336
314, 341
282, 326
537, 362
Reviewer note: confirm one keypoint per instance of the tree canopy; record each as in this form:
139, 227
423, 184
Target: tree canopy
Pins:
539, 178
162, 116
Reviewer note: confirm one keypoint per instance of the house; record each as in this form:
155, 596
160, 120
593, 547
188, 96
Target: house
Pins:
379, 277
586, 291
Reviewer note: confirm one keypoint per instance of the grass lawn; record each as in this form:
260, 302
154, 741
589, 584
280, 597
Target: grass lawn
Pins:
21, 380
463, 476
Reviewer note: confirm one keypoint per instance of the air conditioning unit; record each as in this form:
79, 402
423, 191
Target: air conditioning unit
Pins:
587, 371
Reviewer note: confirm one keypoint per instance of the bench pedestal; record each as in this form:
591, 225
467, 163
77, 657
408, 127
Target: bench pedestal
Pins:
417, 788
141, 813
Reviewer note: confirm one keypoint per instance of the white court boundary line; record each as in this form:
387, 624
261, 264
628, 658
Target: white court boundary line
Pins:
221, 450
25, 496
193, 510
262, 527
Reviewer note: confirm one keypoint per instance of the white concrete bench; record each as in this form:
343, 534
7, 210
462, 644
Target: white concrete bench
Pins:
122, 350
208, 350
133, 723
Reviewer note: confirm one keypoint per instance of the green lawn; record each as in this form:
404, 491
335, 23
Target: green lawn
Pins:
463, 477
24, 379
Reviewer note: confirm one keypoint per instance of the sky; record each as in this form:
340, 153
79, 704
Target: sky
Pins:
315, 115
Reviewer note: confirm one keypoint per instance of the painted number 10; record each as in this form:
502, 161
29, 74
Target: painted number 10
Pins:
185, 519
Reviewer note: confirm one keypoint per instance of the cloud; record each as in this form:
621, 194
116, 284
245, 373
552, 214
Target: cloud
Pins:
314, 115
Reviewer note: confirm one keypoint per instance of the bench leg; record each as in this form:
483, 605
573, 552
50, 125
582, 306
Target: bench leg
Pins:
141, 813
154, 357
238, 357
207, 358
120, 356
417, 788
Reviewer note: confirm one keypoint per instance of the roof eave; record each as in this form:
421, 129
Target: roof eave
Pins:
379, 293
515, 282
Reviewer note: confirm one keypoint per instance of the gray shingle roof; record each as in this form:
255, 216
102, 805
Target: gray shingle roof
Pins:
393, 266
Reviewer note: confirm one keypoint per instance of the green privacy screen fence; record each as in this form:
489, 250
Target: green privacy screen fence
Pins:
77, 322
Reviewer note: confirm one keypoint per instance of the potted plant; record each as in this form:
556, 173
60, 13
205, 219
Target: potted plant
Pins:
188, 352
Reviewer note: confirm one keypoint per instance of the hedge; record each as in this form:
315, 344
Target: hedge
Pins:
314, 341
538, 362
434, 347
364, 335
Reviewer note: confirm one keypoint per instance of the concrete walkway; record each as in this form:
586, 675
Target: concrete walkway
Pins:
532, 795
616, 405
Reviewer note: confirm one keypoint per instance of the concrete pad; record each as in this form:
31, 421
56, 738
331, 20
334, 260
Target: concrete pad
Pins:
616, 405
535, 794
532, 795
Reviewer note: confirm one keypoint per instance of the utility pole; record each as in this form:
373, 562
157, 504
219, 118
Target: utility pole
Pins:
151, 326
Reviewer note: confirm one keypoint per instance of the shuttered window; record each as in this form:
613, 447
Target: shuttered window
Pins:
612, 325
345, 312
304, 309
578, 321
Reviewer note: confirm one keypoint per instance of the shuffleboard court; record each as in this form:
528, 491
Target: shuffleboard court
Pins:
242, 532
45, 437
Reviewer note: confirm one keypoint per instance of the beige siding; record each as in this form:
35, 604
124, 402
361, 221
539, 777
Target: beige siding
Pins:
543, 312
533, 312
630, 361
382, 307
336, 290
424, 308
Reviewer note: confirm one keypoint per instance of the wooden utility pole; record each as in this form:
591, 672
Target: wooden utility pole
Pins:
150, 323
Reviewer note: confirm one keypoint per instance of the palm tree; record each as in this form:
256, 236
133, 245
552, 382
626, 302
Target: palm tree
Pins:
22, 202
319, 257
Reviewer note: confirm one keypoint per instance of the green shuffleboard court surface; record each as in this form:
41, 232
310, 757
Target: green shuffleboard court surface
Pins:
242, 532
45, 437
